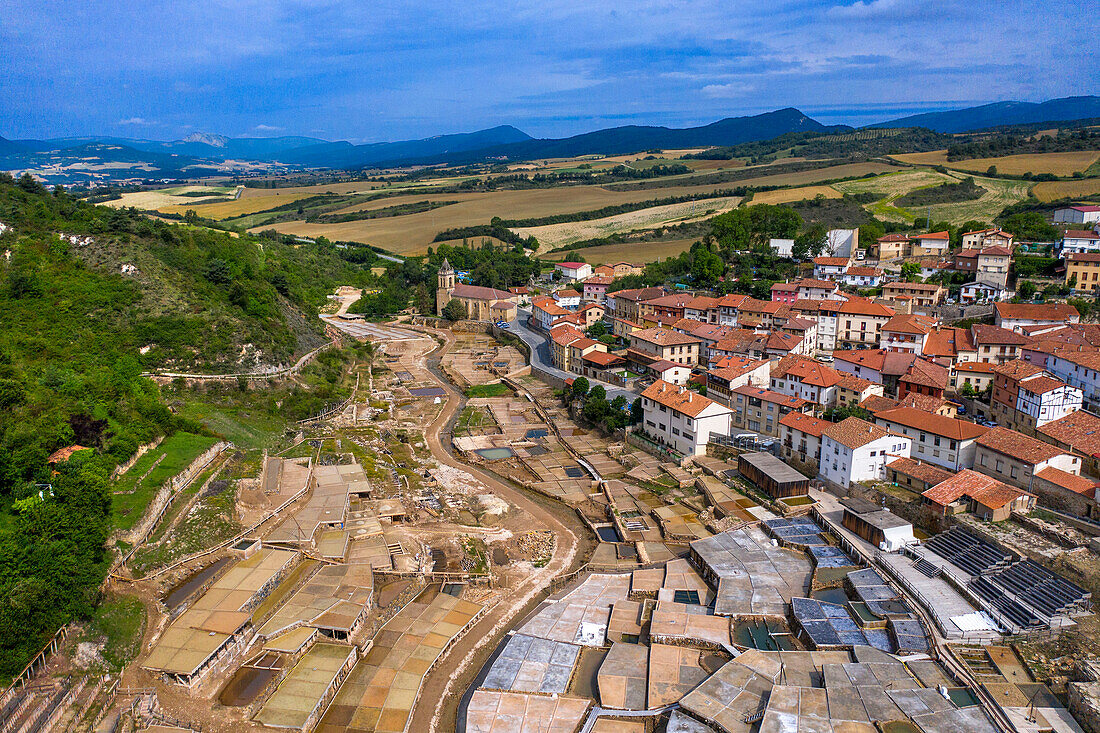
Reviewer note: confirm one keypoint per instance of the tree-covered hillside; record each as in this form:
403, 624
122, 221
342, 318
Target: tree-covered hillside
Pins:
76, 333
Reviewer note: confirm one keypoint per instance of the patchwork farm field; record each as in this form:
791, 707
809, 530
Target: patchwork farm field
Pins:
186, 196
998, 194
797, 178
1059, 164
557, 235
892, 187
638, 252
240, 207
1054, 190
787, 195
412, 234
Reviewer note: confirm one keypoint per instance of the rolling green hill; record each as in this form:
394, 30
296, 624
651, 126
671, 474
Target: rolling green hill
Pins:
76, 333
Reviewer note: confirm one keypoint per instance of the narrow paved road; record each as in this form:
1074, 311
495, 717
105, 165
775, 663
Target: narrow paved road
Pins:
444, 685
540, 356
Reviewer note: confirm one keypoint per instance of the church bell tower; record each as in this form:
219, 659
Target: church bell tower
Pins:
444, 287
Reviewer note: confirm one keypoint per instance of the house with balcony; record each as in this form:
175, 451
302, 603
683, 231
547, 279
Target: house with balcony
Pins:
862, 277
1025, 397
800, 438
1078, 241
595, 288
806, 378
907, 333
983, 238
736, 371
1081, 370
830, 268
921, 296
942, 441
759, 410
681, 419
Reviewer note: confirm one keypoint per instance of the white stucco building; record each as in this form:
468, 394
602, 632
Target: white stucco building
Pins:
854, 450
682, 419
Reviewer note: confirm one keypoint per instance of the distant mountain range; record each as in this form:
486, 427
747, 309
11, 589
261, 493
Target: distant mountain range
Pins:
1001, 113
204, 153
346, 155
636, 138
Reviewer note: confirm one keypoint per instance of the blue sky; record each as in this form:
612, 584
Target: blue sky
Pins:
387, 70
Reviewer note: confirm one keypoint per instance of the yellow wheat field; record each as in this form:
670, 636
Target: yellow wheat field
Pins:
1060, 164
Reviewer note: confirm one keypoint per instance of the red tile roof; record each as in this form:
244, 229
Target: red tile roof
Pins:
910, 323
736, 366
878, 403
805, 423
769, 396
1037, 311
809, 282
975, 366
853, 383
985, 334
864, 271
983, 489
921, 287
947, 341
637, 294
946, 427
1017, 445
923, 402
854, 433
602, 358
806, 370
679, 399
927, 374
1079, 430
1041, 384
478, 292
1017, 369
865, 307
664, 337
675, 300
1077, 484
926, 472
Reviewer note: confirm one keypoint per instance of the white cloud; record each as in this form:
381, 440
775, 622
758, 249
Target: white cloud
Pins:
725, 91
873, 8
136, 121
267, 128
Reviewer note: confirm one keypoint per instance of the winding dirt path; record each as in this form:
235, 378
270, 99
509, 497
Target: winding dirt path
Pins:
444, 686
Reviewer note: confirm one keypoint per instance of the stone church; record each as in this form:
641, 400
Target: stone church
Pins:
482, 304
